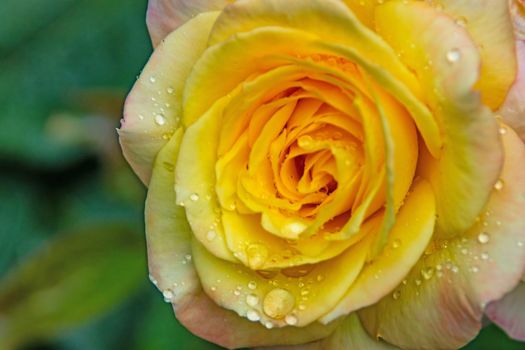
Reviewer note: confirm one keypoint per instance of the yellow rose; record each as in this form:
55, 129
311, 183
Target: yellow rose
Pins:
332, 172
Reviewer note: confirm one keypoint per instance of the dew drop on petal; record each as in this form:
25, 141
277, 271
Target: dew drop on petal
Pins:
298, 271
252, 300
278, 303
483, 238
160, 120
396, 295
210, 236
498, 186
168, 295
194, 197
152, 79
396, 243
253, 315
427, 272
453, 55
252, 285
257, 254
291, 320
484, 256
170, 90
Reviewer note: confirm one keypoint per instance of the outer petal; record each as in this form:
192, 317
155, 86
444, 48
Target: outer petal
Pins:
153, 108
513, 110
167, 231
490, 25
207, 320
164, 16
447, 63
508, 313
349, 335
446, 291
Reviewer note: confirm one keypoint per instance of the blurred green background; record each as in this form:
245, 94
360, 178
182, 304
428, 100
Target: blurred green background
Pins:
73, 274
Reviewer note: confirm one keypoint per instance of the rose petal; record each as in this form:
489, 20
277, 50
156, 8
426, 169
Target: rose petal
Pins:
489, 24
447, 63
164, 16
508, 312
307, 296
167, 231
513, 109
446, 291
349, 335
207, 320
407, 240
153, 108
260, 28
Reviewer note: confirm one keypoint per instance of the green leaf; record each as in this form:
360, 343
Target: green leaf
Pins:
75, 278
491, 337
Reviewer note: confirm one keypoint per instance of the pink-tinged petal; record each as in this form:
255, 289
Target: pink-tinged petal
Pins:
440, 304
509, 312
489, 24
207, 320
349, 335
167, 232
447, 64
513, 110
164, 16
153, 108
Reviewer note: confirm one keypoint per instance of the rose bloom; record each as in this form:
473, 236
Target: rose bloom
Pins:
328, 174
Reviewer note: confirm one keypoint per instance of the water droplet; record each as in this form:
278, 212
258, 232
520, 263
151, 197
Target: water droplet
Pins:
170, 90
302, 307
291, 320
418, 282
484, 256
252, 300
461, 21
453, 55
427, 272
483, 238
152, 79
257, 254
153, 280
498, 185
253, 315
502, 131
294, 228
278, 303
298, 271
194, 197
396, 294
213, 288
160, 120
455, 269
210, 236
396, 243
520, 244
168, 295
464, 251
252, 285
319, 278
267, 274
187, 257
237, 292
268, 325
141, 117
475, 269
